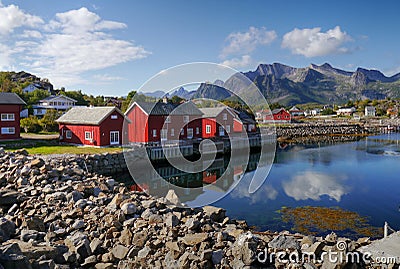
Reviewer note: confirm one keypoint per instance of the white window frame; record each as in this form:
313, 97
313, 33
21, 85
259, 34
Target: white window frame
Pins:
185, 118
208, 129
221, 131
182, 132
8, 117
88, 136
114, 134
164, 134
114, 117
154, 132
189, 133
228, 128
7, 130
225, 116
197, 130
68, 134
172, 132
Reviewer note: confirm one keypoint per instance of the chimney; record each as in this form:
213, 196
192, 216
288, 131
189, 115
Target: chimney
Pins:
165, 99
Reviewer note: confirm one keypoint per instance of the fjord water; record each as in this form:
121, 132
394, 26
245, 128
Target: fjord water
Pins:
361, 176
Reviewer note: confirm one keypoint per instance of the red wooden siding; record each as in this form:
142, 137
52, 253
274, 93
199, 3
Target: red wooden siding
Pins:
11, 109
100, 133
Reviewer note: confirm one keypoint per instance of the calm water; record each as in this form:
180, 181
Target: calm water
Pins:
362, 177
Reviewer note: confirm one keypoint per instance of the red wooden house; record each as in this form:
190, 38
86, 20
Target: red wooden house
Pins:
92, 126
219, 121
163, 121
279, 115
10, 109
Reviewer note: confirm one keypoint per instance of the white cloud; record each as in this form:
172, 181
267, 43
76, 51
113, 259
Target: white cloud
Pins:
243, 61
106, 77
12, 17
31, 34
66, 47
313, 42
246, 42
312, 185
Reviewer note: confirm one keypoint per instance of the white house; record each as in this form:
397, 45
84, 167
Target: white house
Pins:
370, 111
346, 111
34, 86
296, 112
57, 102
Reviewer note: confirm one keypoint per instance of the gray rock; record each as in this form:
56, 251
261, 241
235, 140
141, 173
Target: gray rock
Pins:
194, 239
78, 224
214, 213
120, 251
192, 223
129, 208
244, 250
217, 256
282, 242
144, 252
7, 228
27, 235
47, 264
173, 198
95, 244
171, 220
14, 261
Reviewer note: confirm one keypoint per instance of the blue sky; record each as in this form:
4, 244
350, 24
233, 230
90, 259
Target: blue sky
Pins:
111, 47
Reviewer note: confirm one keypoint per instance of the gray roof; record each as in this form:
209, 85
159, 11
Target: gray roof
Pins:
87, 115
51, 97
10, 98
160, 108
212, 112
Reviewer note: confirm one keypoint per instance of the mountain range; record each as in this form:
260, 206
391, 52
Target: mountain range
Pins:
291, 85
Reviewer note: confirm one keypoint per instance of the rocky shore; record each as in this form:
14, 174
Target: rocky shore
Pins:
54, 214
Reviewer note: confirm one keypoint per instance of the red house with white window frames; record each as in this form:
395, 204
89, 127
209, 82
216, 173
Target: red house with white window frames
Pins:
219, 121
92, 126
279, 115
163, 121
10, 109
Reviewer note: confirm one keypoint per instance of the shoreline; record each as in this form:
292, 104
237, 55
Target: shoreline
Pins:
55, 213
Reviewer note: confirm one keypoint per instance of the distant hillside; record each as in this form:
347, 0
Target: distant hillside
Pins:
321, 84
182, 93
16, 81
211, 91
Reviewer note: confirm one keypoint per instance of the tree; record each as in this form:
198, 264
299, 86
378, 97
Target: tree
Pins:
176, 99
30, 124
48, 122
78, 96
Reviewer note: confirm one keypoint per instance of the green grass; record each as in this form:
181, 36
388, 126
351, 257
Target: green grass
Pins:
46, 147
63, 149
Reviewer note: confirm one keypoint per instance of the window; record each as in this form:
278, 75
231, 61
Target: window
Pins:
114, 138
164, 134
8, 130
114, 117
172, 132
68, 134
190, 133
182, 131
7, 117
154, 133
197, 130
221, 131
228, 128
225, 116
88, 136
168, 119
185, 119
208, 129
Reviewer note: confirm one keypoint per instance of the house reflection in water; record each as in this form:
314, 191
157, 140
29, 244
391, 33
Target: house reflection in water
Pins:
222, 175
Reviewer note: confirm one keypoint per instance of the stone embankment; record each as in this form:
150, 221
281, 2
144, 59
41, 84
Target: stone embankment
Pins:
54, 214
305, 130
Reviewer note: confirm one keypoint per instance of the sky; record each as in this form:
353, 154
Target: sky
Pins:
112, 47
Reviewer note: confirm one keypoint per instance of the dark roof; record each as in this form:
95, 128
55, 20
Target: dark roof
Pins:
165, 109
10, 98
244, 116
87, 115
277, 110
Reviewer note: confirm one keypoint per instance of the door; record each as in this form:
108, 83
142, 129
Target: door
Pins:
114, 138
